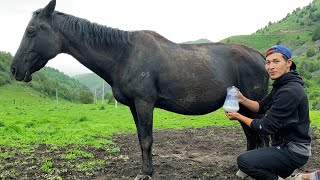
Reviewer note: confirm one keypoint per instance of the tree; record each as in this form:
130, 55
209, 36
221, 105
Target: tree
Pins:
86, 97
316, 105
316, 33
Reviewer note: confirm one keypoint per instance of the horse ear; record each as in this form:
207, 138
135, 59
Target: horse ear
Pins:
48, 10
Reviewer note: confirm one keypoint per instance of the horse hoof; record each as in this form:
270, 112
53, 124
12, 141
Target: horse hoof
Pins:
143, 177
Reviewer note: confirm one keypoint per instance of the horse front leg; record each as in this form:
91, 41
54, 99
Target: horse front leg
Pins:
143, 116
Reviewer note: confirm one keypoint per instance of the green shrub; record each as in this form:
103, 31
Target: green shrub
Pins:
2, 124
311, 52
316, 105
316, 34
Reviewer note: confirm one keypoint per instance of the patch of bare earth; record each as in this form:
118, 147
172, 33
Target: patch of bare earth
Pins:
205, 153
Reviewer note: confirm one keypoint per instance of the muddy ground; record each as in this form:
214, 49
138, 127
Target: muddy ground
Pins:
206, 153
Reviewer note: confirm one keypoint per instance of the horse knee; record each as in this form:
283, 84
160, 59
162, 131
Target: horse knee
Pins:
146, 142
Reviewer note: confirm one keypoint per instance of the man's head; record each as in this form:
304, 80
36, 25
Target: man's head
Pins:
278, 61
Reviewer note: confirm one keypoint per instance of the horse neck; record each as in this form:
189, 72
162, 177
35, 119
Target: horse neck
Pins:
97, 47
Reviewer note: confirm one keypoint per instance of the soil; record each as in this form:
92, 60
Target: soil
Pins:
205, 153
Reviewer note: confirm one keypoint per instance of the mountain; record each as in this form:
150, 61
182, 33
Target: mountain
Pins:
92, 81
199, 41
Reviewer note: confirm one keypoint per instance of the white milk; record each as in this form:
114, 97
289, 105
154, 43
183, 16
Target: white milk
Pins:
231, 104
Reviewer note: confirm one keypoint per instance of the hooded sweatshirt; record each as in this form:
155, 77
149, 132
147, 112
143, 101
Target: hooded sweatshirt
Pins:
287, 115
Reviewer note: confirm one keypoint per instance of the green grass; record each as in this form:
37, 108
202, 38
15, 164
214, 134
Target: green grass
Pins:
37, 120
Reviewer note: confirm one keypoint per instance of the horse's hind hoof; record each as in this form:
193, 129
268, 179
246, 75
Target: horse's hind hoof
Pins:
143, 177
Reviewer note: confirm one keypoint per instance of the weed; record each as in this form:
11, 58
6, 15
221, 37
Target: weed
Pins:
83, 118
90, 165
47, 166
13, 128
113, 149
3, 154
29, 124
9, 174
75, 154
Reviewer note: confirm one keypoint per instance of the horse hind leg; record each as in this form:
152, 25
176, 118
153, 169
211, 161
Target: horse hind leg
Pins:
254, 140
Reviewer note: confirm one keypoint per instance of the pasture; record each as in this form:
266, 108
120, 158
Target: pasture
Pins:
41, 139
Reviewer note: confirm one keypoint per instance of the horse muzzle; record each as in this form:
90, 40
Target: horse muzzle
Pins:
26, 76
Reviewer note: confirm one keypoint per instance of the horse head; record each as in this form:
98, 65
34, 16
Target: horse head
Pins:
39, 44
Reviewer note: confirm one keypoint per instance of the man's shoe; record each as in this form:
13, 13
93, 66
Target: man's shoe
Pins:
241, 174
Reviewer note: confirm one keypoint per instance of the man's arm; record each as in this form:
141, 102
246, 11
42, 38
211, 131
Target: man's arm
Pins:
250, 104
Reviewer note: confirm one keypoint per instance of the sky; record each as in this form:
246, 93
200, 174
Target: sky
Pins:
177, 20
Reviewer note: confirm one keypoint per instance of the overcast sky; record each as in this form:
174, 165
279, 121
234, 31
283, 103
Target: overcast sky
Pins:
177, 20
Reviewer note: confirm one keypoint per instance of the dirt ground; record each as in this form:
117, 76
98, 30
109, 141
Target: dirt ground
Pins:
206, 153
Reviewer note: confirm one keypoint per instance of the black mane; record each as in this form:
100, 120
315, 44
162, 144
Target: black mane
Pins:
93, 33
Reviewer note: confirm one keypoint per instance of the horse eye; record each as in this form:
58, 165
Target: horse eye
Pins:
31, 32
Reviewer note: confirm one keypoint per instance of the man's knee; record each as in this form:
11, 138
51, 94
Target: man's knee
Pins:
242, 162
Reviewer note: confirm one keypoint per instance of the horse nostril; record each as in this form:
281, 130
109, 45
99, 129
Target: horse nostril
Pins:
13, 71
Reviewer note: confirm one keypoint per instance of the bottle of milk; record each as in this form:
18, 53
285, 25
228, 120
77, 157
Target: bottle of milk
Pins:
231, 104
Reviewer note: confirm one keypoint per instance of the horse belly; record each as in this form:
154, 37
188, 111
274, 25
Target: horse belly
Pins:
190, 105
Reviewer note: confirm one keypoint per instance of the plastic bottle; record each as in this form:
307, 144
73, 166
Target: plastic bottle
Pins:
231, 104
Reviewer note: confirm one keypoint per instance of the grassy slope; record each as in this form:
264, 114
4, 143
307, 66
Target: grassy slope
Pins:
288, 31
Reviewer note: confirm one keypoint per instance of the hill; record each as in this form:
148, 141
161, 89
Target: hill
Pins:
199, 41
300, 31
47, 81
92, 81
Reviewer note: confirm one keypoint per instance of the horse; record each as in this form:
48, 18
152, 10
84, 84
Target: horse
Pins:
146, 70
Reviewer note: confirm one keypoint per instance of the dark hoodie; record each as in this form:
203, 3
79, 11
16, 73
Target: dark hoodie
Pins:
287, 118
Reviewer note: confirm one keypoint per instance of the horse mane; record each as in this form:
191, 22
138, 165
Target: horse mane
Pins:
93, 33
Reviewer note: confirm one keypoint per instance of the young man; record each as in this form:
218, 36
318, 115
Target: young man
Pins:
286, 120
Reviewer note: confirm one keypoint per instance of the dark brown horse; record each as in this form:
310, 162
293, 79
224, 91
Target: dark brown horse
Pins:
146, 70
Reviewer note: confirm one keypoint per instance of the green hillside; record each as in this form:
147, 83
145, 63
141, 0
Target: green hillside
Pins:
47, 81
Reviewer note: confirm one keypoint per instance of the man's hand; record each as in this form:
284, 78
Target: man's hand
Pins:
239, 117
232, 115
